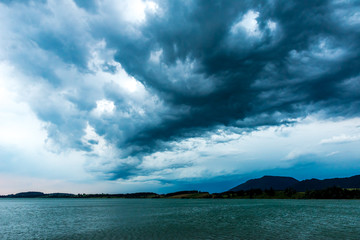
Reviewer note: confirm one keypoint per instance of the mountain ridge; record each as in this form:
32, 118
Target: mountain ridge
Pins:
266, 182
282, 183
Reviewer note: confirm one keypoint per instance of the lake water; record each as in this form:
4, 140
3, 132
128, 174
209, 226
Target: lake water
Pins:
178, 219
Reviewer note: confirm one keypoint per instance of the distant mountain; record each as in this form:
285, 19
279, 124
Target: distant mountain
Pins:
316, 184
38, 195
267, 182
281, 183
29, 195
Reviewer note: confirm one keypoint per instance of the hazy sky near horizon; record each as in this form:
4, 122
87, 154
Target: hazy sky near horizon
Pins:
126, 96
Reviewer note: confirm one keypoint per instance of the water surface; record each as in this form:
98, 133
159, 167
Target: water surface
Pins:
178, 219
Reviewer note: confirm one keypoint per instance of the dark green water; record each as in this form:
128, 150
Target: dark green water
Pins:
178, 219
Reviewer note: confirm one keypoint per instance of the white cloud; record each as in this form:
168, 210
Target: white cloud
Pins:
341, 139
246, 32
24, 145
249, 24
225, 152
129, 11
332, 153
18, 124
104, 107
29, 160
152, 7
102, 149
272, 25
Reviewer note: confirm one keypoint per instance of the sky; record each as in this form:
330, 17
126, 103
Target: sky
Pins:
106, 96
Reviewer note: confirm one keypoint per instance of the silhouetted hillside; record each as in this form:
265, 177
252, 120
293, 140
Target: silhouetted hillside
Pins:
266, 182
316, 184
282, 183
28, 195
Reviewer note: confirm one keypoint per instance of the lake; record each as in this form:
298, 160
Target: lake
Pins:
178, 219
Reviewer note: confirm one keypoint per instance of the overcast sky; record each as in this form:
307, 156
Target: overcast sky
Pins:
126, 96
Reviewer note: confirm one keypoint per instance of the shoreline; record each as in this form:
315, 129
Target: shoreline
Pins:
328, 193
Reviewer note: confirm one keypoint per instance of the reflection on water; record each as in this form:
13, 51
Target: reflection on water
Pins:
178, 219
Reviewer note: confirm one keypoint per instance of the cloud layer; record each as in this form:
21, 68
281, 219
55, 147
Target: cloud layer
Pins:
140, 86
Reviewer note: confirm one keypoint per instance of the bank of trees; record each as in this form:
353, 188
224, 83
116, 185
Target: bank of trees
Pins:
290, 193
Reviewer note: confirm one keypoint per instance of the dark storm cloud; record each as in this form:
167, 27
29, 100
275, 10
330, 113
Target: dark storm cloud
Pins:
289, 72
204, 65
